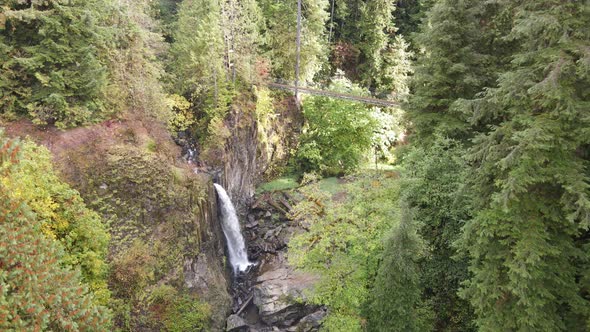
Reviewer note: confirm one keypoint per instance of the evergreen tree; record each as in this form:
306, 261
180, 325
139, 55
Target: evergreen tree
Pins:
434, 187
396, 303
376, 26
409, 14
456, 64
367, 47
51, 69
280, 37
528, 243
396, 71
198, 49
241, 22
36, 293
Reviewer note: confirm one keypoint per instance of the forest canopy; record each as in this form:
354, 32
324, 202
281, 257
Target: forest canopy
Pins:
463, 205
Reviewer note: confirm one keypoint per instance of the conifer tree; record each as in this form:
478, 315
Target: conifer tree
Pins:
36, 293
241, 22
280, 37
396, 69
51, 69
376, 26
409, 14
198, 49
456, 64
434, 187
396, 304
528, 243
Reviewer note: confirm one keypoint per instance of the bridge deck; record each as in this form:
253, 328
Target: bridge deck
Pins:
333, 94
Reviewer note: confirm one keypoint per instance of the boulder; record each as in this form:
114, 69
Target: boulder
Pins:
309, 323
279, 296
236, 323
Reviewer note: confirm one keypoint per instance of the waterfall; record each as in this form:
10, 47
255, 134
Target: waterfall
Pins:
238, 257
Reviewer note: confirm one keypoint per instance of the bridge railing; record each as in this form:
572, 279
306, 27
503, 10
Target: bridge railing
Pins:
286, 85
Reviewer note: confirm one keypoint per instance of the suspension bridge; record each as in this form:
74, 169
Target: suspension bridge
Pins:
332, 94
327, 93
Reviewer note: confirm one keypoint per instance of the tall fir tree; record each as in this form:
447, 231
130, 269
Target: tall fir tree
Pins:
375, 28
528, 244
396, 304
434, 187
409, 14
280, 37
52, 70
457, 62
198, 49
241, 22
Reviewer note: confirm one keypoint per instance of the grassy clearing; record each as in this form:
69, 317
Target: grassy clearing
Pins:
282, 183
330, 185
370, 166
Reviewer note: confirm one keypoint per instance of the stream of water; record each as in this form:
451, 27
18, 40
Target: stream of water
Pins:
238, 256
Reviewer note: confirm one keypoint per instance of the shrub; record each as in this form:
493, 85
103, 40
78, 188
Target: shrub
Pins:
337, 133
188, 314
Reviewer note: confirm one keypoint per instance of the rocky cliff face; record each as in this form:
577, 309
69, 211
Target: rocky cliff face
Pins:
241, 166
256, 149
273, 296
205, 271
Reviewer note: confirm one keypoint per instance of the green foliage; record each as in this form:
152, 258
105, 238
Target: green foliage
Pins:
241, 21
375, 26
409, 14
136, 74
388, 131
393, 76
344, 245
51, 68
396, 302
198, 52
62, 216
182, 117
514, 75
283, 183
434, 188
531, 177
266, 118
457, 63
188, 314
280, 37
214, 50
36, 291
133, 269
367, 47
337, 133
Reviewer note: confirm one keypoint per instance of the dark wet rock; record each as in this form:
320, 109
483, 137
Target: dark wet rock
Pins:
251, 218
311, 322
277, 292
279, 296
236, 323
252, 224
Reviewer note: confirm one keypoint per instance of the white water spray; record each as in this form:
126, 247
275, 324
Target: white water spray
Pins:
238, 257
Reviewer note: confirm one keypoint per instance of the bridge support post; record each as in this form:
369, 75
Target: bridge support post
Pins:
298, 51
